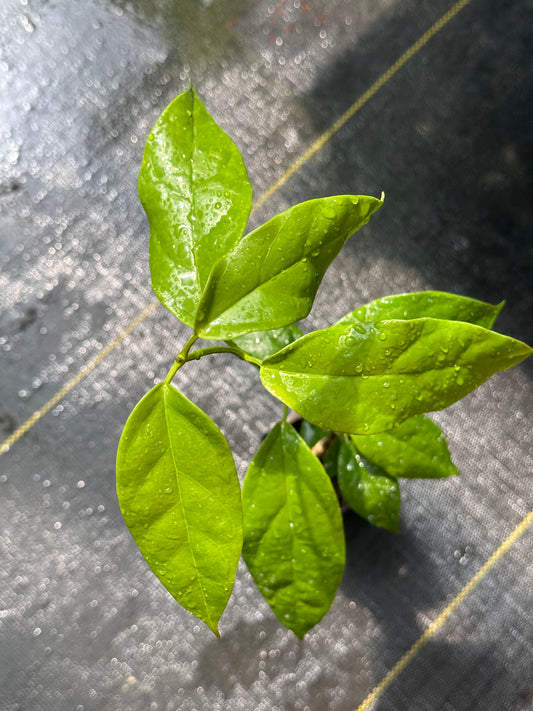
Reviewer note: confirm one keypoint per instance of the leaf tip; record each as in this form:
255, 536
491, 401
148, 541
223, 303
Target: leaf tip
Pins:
206, 617
214, 629
496, 310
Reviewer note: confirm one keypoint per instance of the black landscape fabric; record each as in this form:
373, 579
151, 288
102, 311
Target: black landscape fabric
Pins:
84, 624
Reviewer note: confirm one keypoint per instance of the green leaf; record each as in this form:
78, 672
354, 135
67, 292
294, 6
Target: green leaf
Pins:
416, 448
293, 530
270, 278
311, 434
368, 489
197, 196
428, 304
179, 495
368, 378
262, 344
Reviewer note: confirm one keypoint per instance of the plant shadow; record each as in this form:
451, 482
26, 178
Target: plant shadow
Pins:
458, 213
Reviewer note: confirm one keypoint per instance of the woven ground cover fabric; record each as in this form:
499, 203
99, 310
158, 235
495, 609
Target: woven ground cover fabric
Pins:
84, 623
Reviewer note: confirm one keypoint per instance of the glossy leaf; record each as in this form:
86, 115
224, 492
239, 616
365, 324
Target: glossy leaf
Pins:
179, 495
197, 196
415, 449
425, 304
368, 489
312, 434
270, 278
368, 378
293, 530
262, 344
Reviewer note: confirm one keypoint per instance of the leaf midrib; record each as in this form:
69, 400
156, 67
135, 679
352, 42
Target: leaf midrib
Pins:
512, 357
171, 447
193, 197
287, 499
436, 367
362, 375
304, 255
410, 448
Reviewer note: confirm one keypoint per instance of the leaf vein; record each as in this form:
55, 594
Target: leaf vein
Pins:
171, 447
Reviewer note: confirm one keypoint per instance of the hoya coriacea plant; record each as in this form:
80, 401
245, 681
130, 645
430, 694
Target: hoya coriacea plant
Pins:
361, 386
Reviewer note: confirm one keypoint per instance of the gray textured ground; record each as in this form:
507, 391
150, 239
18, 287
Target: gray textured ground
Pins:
84, 624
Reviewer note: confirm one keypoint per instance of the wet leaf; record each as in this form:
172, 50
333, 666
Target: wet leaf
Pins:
415, 449
179, 495
368, 378
293, 530
425, 304
270, 278
197, 196
368, 489
262, 344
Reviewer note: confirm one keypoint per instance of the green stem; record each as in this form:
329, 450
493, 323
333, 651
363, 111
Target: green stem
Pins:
185, 356
181, 358
201, 352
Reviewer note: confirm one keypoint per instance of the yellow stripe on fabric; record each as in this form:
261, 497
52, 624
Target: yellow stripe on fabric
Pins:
83, 373
317, 145
364, 98
436, 625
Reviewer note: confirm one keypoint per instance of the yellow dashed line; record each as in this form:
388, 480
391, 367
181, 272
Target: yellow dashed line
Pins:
364, 98
83, 373
436, 625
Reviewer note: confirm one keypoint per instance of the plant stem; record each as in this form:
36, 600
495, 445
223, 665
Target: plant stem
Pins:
201, 352
185, 356
322, 446
181, 358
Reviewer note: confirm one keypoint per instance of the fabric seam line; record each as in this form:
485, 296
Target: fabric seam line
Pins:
442, 618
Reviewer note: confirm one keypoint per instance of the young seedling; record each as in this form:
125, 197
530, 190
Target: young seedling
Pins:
362, 386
